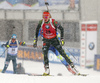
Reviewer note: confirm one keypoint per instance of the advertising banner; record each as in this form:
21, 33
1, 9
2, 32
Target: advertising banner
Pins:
36, 4
88, 42
58, 2
15, 1
36, 55
91, 43
25, 3
97, 62
30, 53
53, 2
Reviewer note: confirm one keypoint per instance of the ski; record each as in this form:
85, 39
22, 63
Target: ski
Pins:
79, 74
82, 74
33, 74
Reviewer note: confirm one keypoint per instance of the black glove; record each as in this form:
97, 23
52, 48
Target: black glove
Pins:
23, 44
62, 42
35, 43
7, 46
2, 45
46, 3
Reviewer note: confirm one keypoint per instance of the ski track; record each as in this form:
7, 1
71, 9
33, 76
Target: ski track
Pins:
38, 68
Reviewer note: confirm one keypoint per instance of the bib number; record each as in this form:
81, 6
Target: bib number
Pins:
48, 31
13, 49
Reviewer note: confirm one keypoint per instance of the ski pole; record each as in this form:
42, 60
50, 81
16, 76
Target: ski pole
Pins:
3, 52
46, 3
71, 54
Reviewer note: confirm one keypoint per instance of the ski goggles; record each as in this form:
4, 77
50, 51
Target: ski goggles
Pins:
46, 17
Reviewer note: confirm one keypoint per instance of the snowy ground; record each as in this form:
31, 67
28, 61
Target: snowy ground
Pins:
37, 67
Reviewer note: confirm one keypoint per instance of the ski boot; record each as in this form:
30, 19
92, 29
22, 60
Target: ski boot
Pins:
47, 71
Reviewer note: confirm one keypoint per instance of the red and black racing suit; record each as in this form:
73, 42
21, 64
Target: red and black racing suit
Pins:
50, 38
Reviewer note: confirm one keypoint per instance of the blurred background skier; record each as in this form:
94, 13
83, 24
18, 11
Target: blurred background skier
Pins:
12, 49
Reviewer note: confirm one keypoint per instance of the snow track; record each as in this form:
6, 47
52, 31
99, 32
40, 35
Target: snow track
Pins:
37, 67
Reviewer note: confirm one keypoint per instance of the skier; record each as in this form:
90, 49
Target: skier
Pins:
49, 27
12, 48
52, 48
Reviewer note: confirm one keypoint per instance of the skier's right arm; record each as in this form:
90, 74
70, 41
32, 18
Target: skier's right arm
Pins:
37, 29
36, 35
6, 45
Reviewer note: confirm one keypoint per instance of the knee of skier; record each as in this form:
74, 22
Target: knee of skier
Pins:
58, 47
6, 63
60, 57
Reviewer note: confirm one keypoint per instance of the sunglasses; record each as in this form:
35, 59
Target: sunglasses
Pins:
45, 16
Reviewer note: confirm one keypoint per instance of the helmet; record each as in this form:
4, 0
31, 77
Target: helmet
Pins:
14, 36
46, 13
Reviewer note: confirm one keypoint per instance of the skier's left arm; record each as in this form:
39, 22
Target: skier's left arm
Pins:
57, 25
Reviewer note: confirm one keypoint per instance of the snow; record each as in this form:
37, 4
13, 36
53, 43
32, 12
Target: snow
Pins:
38, 68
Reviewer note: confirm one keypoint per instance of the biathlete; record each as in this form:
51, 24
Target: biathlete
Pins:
49, 27
12, 50
52, 48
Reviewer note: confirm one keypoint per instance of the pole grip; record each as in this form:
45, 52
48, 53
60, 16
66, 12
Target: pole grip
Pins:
46, 3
